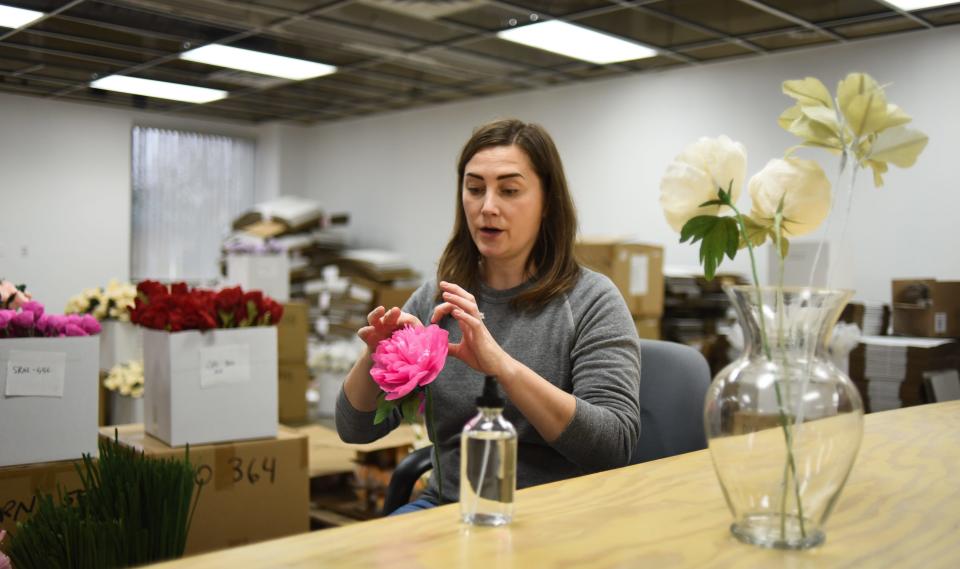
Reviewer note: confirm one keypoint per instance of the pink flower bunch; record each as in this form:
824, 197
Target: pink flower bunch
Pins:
410, 358
31, 322
12, 296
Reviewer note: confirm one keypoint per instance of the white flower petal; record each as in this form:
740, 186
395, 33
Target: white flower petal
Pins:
801, 184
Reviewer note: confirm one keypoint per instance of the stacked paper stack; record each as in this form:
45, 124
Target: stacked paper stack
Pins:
875, 318
889, 371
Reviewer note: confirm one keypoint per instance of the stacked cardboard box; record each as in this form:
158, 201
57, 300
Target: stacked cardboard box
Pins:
637, 271
293, 375
927, 308
698, 313
890, 371
19, 486
249, 490
873, 318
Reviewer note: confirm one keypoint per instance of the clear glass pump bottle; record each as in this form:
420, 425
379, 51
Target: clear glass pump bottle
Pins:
488, 462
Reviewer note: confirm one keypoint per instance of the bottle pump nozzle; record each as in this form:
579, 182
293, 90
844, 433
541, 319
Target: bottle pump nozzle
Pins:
491, 394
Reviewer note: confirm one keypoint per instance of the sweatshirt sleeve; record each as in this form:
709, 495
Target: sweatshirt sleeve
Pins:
356, 426
605, 373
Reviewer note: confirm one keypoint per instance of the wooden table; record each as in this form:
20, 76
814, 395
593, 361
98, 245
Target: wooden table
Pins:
901, 508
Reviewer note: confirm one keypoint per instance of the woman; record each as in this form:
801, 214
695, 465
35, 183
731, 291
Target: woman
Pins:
558, 337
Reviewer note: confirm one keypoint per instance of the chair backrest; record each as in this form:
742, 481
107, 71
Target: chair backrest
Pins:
673, 384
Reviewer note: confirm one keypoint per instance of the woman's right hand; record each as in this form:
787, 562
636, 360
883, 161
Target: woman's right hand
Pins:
383, 323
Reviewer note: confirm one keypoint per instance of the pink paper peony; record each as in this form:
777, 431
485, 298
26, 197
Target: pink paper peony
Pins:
24, 319
410, 358
89, 324
74, 330
33, 306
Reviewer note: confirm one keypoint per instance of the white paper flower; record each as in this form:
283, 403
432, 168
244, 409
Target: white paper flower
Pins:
126, 378
695, 176
804, 189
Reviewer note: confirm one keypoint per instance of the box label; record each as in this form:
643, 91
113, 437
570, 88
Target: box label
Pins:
224, 365
639, 274
939, 322
35, 374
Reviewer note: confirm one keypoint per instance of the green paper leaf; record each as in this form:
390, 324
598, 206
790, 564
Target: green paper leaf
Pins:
718, 236
409, 408
384, 409
712, 202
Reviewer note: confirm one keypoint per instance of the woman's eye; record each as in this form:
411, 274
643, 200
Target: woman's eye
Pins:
509, 191
474, 191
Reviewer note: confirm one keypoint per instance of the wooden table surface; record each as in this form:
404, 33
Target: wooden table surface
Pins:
901, 508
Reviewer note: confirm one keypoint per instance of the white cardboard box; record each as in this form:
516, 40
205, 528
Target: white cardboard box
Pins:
119, 342
213, 386
48, 399
267, 273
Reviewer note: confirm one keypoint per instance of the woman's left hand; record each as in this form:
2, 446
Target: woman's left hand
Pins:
477, 348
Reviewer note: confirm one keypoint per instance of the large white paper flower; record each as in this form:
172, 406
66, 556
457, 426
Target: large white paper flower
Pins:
695, 176
801, 184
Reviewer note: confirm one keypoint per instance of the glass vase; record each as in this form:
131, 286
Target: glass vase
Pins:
783, 423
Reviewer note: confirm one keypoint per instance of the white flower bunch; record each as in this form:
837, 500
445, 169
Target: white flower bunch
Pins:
112, 303
126, 379
790, 196
338, 356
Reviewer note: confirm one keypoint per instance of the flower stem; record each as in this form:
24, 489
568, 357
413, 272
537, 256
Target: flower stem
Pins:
432, 433
784, 424
756, 280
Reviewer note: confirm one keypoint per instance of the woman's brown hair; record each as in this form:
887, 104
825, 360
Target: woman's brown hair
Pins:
555, 271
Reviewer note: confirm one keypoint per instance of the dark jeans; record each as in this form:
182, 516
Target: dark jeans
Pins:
415, 506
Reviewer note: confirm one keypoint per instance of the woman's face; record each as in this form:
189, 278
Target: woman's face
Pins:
503, 202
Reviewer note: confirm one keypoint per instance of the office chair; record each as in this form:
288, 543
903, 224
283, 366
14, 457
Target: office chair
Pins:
673, 384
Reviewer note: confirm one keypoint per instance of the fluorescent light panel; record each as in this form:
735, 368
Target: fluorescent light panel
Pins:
158, 89
577, 42
909, 5
258, 62
11, 17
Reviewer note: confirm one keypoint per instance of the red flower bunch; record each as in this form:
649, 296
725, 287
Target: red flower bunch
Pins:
178, 307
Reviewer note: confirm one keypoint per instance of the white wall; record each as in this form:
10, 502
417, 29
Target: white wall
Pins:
395, 173
65, 192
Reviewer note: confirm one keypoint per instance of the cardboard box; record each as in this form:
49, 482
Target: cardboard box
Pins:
267, 273
292, 333
390, 296
213, 386
119, 342
20, 484
636, 269
927, 308
48, 399
648, 328
251, 491
292, 384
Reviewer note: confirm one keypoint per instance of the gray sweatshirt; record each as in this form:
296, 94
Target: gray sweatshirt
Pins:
583, 342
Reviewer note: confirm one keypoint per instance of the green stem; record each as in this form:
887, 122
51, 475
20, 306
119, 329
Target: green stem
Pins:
784, 422
756, 281
766, 348
432, 433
